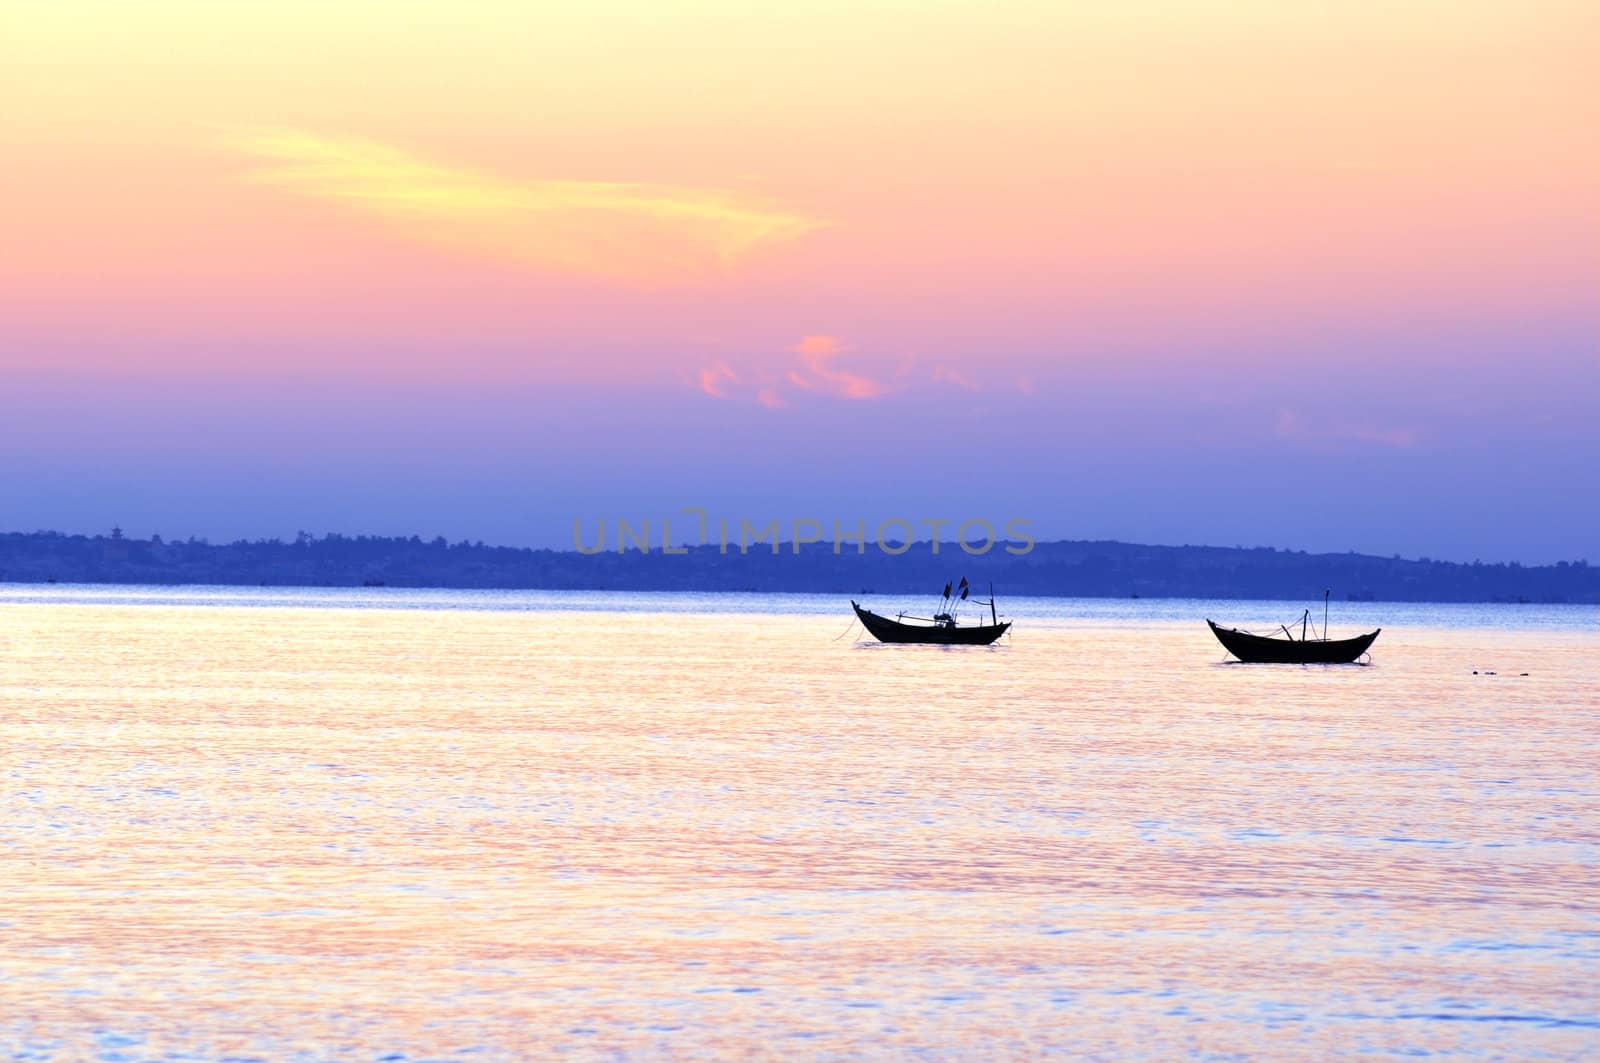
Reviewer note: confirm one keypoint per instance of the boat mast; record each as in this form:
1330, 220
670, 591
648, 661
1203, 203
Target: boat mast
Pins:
992, 614
1325, 592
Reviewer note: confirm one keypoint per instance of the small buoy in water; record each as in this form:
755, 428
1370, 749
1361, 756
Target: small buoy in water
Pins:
1524, 673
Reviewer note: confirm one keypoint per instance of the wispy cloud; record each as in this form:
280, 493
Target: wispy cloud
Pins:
773, 387
814, 368
819, 373
714, 377
645, 233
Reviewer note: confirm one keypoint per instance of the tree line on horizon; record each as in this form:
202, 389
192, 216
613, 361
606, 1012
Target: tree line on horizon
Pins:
1066, 568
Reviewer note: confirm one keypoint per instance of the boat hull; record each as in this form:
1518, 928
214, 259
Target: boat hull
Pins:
1253, 649
885, 630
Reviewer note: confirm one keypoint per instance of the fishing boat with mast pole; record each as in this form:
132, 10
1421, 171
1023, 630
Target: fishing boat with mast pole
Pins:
1270, 649
940, 629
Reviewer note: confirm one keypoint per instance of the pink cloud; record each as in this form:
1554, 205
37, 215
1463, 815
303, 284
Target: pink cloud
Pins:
817, 373
818, 353
712, 379
819, 347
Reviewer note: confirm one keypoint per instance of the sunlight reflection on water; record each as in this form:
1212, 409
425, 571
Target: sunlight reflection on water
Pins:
321, 832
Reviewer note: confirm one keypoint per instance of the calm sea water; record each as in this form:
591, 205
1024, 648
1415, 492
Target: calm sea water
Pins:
401, 825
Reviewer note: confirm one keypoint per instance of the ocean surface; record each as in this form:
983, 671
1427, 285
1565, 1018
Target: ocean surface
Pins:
268, 824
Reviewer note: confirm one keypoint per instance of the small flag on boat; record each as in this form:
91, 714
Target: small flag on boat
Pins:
963, 581
963, 593
947, 590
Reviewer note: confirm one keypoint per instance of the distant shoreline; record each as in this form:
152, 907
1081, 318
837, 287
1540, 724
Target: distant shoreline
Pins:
1063, 569
290, 589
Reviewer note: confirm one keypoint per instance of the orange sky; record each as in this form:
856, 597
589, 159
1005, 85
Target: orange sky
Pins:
902, 172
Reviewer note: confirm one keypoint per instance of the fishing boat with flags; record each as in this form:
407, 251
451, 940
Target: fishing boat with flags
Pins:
942, 628
1271, 649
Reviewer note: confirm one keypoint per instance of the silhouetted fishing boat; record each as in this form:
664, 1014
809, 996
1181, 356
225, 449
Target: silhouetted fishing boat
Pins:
1263, 649
941, 628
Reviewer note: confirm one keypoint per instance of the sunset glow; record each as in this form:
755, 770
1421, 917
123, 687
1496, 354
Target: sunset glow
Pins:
1062, 215
638, 231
